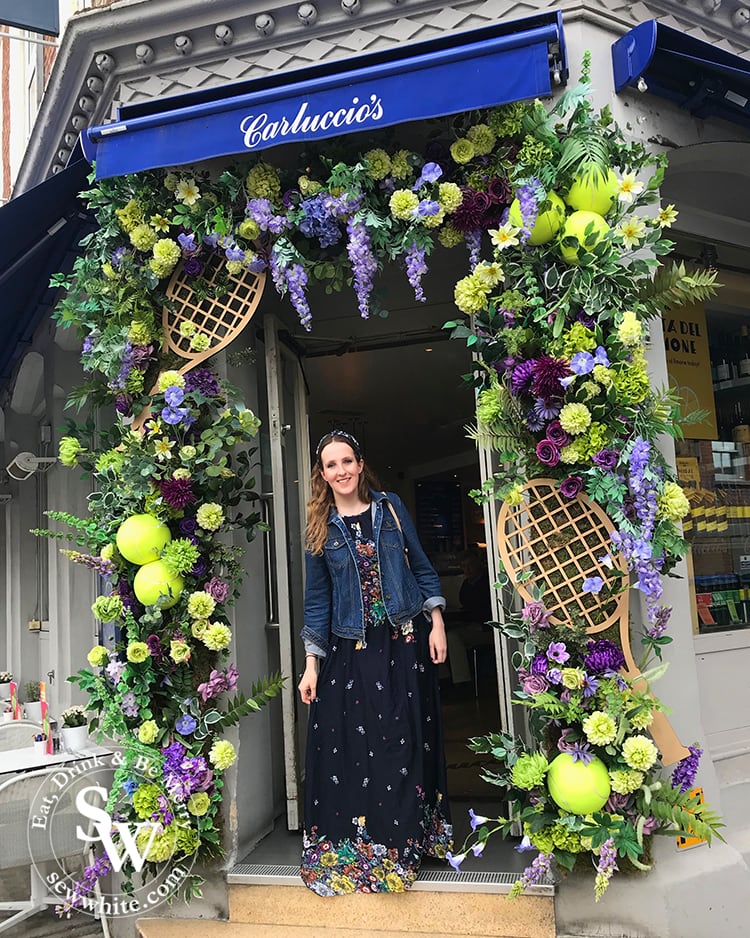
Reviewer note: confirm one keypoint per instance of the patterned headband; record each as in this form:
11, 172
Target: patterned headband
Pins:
331, 436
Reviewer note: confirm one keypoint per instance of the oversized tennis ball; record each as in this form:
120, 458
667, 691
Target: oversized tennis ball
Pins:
593, 191
576, 227
156, 585
142, 538
548, 222
578, 788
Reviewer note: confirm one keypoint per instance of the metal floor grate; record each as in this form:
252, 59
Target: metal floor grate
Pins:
282, 874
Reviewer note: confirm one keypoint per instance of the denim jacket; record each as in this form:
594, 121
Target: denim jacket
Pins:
333, 591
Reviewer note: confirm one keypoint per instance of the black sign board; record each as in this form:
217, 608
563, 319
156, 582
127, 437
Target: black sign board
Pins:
38, 16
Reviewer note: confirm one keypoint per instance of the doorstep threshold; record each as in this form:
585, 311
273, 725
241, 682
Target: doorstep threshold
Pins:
500, 883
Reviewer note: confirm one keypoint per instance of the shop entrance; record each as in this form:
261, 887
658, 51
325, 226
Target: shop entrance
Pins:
395, 383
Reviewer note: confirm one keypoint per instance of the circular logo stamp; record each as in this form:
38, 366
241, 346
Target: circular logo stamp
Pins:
77, 812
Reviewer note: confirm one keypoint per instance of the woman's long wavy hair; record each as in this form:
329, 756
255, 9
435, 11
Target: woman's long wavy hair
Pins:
321, 501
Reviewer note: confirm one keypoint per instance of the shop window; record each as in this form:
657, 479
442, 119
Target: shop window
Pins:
708, 356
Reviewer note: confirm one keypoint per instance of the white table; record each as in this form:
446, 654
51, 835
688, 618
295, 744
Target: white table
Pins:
22, 760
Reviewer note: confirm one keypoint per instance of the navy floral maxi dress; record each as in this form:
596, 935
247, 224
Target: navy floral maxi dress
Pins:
375, 800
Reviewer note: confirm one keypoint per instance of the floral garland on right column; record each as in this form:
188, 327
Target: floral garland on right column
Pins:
559, 323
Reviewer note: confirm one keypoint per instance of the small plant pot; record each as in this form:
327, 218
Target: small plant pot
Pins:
74, 738
34, 710
6, 717
40, 745
4, 691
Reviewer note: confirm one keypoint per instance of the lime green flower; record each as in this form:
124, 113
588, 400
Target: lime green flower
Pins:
166, 255
450, 196
597, 438
482, 137
449, 236
641, 718
170, 379
378, 163
163, 844
533, 153
110, 459
187, 453
629, 329
181, 474
222, 754
170, 182
179, 651
263, 182
200, 342
673, 504
403, 204
514, 495
575, 418
488, 273
108, 608
129, 216
565, 839
146, 800
600, 728
603, 375
248, 421
187, 328
107, 552
198, 803
69, 450
235, 268
632, 382
159, 223
188, 840
639, 753
573, 678
217, 636
625, 781
248, 229
134, 382
137, 652
148, 731
198, 628
139, 333
542, 839
463, 150
489, 406
180, 555
200, 605
210, 516
187, 191
401, 168
574, 452
109, 272
98, 656
143, 237
432, 221
470, 295
577, 339
529, 771
505, 120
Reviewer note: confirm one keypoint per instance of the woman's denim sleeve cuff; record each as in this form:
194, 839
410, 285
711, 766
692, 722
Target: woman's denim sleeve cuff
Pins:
434, 602
312, 649
312, 642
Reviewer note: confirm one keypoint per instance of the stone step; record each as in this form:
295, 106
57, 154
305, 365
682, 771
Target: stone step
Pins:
417, 911
199, 928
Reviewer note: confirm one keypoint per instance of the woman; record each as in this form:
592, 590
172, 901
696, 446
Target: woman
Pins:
375, 770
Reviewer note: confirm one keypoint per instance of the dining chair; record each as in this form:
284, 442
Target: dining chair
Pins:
18, 734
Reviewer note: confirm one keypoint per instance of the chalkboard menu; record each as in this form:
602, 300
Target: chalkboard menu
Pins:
440, 522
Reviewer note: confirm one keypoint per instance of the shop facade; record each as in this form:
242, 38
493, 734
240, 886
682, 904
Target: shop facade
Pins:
292, 381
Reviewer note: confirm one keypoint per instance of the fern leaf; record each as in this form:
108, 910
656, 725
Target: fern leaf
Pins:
581, 150
672, 286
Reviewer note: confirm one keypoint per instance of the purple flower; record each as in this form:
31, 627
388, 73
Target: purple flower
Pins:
558, 652
178, 494
261, 211
175, 415
535, 616
547, 453
600, 356
606, 459
499, 191
556, 434
114, 669
211, 239
582, 363
204, 381
431, 172
364, 263
295, 277
525, 844
592, 584
456, 861
218, 589
535, 684
193, 267
117, 256
476, 819
554, 675
130, 785
233, 252
581, 752
478, 849
186, 724
129, 705
188, 244
686, 769
539, 663
547, 408
188, 525
415, 269
155, 647
200, 569
658, 617
528, 204
547, 374
540, 867
174, 396
571, 487
427, 208
603, 655
590, 685
320, 220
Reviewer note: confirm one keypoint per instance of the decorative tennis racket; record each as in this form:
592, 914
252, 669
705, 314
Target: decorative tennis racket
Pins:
562, 542
220, 313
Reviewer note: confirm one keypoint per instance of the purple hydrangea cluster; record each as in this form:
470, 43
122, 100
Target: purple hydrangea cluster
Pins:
183, 774
261, 212
416, 268
363, 261
204, 381
319, 221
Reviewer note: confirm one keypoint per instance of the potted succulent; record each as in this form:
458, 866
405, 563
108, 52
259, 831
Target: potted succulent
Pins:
5, 678
74, 731
32, 703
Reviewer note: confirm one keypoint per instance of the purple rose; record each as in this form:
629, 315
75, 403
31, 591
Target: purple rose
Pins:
606, 459
498, 191
535, 684
547, 453
218, 589
535, 616
571, 487
481, 202
188, 526
556, 434
192, 267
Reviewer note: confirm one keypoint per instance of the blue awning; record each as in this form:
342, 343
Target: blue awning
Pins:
706, 81
495, 65
39, 234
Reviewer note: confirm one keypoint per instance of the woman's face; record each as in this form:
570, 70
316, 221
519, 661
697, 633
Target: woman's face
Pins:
340, 469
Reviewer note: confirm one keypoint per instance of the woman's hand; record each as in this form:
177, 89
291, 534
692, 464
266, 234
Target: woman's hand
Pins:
438, 641
308, 685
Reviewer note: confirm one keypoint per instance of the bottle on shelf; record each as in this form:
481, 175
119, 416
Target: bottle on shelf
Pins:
744, 352
723, 366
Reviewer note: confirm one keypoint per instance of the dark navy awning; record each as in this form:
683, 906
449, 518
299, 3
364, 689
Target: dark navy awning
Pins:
39, 234
494, 65
706, 81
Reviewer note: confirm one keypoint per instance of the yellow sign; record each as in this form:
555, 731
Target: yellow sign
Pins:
689, 367
683, 843
688, 472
